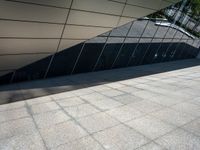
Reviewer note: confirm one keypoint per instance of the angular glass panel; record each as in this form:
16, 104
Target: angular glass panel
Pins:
110, 53
64, 61
90, 55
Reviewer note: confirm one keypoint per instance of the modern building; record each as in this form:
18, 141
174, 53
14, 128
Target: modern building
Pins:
42, 39
99, 75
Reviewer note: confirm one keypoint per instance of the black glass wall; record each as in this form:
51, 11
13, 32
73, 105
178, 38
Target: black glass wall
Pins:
168, 35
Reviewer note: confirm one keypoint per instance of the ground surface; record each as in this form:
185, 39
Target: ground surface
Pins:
152, 112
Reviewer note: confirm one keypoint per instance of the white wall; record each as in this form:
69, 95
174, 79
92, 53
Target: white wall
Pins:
31, 29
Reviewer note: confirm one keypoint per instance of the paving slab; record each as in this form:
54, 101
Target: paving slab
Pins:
151, 107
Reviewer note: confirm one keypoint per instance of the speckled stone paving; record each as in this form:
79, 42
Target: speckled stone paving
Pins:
154, 112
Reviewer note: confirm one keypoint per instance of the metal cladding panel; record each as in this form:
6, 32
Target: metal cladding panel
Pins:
33, 30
